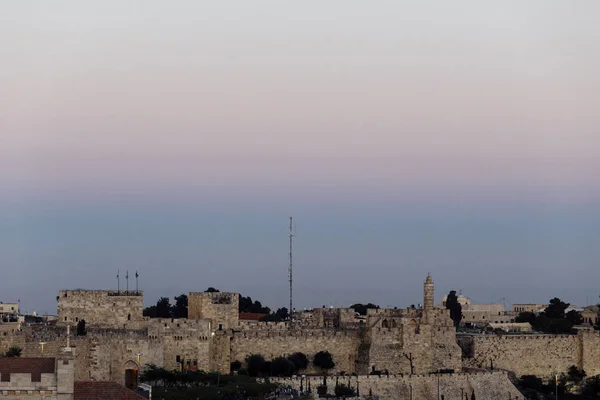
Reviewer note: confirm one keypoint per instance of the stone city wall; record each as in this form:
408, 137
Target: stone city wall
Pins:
485, 385
590, 352
101, 308
343, 346
541, 355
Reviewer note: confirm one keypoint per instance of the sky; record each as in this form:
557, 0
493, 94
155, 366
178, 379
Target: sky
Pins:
405, 138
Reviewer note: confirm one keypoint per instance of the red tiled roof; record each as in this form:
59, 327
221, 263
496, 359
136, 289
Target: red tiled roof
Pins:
103, 391
251, 316
23, 365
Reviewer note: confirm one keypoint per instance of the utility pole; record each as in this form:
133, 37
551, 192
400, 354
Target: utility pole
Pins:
291, 310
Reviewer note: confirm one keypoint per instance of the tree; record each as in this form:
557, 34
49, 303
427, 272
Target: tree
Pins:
180, 309
575, 374
299, 360
574, 317
163, 308
323, 360
454, 306
556, 308
81, 331
591, 388
256, 364
526, 316
362, 308
281, 366
282, 313
211, 290
236, 365
149, 311
344, 391
13, 351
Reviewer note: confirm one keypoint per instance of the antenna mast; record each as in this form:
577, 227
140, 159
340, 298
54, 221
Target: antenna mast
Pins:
291, 310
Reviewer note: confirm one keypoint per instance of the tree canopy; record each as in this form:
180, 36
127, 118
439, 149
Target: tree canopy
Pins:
362, 308
323, 360
13, 351
553, 319
455, 308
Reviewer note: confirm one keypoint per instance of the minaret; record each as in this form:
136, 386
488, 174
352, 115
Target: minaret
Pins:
428, 289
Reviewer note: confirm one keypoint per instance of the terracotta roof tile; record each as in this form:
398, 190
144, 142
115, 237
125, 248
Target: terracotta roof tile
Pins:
103, 391
250, 316
23, 365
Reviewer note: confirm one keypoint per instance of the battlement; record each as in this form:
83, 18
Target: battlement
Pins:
489, 385
296, 334
544, 337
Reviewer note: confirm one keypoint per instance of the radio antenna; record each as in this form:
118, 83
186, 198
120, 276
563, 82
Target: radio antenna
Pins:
291, 310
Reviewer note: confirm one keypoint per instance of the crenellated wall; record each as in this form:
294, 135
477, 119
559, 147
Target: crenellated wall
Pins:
485, 385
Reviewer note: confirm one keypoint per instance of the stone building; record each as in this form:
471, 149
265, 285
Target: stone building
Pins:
519, 308
9, 308
119, 340
38, 378
100, 308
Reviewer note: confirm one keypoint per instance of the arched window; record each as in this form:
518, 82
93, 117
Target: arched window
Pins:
384, 324
128, 317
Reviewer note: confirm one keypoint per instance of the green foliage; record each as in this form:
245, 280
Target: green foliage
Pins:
574, 317
575, 374
193, 385
13, 351
236, 365
255, 365
247, 305
362, 308
455, 308
556, 308
344, 391
81, 331
163, 308
299, 360
553, 319
591, 388
281, 366
180, 309
526, 316
323, 360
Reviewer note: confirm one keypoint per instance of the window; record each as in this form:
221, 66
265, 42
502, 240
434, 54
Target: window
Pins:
76, 319
128, 317
65, 318
220, 327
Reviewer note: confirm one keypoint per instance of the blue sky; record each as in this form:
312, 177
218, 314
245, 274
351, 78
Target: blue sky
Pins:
403, 137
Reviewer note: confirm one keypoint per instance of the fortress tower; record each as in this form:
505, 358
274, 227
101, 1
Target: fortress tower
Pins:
428, 300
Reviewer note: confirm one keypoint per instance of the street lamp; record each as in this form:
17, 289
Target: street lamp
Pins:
42, 344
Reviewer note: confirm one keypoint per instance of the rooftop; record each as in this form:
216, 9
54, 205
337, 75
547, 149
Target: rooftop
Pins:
103, 391
23, 365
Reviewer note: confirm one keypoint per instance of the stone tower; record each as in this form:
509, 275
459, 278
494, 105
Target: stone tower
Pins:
428, 289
